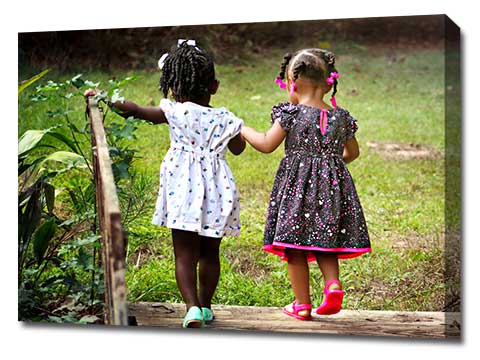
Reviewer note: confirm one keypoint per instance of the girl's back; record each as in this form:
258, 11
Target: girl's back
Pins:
200, 129
304, 126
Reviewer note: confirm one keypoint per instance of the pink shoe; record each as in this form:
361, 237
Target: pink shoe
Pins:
296, 308
332, 301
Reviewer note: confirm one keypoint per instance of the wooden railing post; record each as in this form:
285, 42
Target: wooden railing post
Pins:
109, 220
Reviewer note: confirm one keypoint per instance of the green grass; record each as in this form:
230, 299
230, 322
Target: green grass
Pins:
403, 201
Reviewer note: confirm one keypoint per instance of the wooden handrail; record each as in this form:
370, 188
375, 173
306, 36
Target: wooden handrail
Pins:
109, 219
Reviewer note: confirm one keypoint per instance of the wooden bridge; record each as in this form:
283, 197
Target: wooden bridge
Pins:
240, 318
271, 319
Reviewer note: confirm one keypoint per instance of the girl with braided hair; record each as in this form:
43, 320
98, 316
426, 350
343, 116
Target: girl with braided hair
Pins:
197, 199
314, 211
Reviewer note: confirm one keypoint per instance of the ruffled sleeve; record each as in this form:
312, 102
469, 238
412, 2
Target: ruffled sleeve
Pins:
351, 125
235, 124
285, 113
168, 107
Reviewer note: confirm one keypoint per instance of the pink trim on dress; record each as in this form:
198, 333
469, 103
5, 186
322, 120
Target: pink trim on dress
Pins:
278, 248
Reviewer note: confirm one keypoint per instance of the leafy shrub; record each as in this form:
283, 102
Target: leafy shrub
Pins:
60, 278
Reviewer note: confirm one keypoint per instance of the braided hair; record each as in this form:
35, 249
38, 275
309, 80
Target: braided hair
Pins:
189, 72
313, 64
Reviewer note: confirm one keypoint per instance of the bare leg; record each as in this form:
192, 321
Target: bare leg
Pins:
209, 271
186, 246
328, 264
332, 301
299, 278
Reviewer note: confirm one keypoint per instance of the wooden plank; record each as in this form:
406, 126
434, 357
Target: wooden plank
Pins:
432, 325
109, 218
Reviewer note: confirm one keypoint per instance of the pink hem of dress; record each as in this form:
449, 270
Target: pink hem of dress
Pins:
278, 248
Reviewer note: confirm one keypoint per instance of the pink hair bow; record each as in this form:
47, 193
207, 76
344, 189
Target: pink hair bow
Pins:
333, 75
279, 81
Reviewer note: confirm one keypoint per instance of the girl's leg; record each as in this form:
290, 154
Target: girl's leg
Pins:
299, 277
186, 246
209, 271
328, 264
332, 301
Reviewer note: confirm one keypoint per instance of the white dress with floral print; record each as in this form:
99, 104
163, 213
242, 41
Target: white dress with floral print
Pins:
197, 190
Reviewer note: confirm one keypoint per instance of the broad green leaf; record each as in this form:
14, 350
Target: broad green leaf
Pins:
77, 81
27, 83
66, 157
55, 319
49, 192
120, 170
42, 237
36, 172
30, 139
67, 141
88, 319
91, 84
88, 240
73, 127
123, 131
78, 243
30, 166
29, 217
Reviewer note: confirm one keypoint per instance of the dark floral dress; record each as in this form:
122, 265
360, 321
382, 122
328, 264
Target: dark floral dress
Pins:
314, 205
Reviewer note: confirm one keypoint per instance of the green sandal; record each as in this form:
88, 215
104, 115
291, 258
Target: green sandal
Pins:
193, 318
207, 314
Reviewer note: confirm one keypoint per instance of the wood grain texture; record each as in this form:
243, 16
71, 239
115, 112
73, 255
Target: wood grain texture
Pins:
427, 325
109, 220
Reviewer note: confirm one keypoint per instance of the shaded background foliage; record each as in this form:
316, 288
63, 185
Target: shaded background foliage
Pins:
141, 47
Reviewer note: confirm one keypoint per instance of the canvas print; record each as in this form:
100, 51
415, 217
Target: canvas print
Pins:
277, 177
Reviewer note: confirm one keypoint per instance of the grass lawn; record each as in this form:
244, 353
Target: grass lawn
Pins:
397, 100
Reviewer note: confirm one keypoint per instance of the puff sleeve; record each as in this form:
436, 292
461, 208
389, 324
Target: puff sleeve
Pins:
350, 125
285, 113
235, 124
168, 107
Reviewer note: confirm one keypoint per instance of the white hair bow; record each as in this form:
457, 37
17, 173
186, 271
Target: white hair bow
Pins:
161, 62
189, 42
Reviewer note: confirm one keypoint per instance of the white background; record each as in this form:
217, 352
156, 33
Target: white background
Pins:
55, 342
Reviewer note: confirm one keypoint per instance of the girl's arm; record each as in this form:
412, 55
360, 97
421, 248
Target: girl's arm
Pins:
128, 108
351, 150
236, 145
265, 142
150, 113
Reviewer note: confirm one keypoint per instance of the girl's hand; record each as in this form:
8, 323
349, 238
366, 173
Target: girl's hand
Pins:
90, 92
237, 144
351, 150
